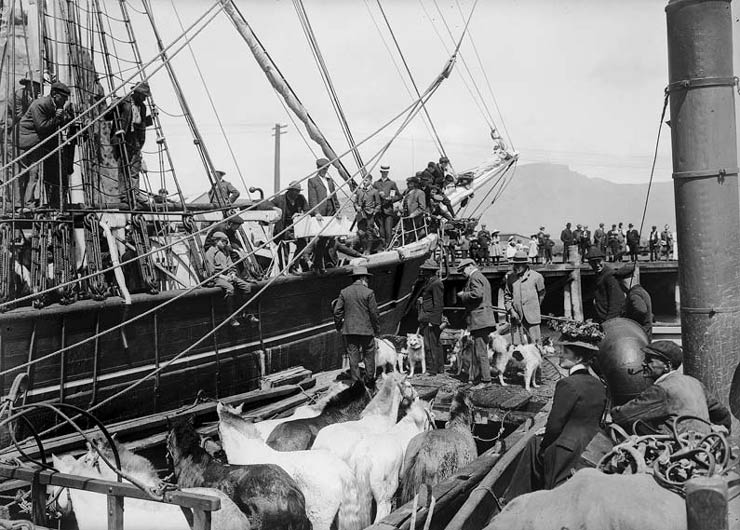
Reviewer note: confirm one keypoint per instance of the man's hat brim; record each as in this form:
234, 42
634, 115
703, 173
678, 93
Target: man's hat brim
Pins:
577, 343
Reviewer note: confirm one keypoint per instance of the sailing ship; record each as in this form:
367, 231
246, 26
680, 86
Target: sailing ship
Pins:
105, 301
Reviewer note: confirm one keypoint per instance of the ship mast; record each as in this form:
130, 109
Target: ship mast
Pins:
705, 181
281, 86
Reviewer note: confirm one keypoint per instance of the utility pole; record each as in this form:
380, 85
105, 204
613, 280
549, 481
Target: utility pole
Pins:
277, 131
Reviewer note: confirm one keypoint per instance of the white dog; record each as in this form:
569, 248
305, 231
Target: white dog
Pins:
386, 354
527, 355
415, 352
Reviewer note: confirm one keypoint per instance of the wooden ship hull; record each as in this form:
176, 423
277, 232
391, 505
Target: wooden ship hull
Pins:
295, 327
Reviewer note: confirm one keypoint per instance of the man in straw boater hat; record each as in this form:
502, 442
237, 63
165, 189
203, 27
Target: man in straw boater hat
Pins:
524, 290
671, 395
476, 297
357, 312
431, 304
575, 416
389, 194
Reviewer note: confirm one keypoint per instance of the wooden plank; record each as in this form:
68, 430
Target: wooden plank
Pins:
115, 512
66, 443
105, 487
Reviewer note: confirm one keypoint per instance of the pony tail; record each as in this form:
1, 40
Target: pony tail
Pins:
351, 512
361, 468
411, 479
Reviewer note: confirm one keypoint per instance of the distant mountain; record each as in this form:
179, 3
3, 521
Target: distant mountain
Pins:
551, 195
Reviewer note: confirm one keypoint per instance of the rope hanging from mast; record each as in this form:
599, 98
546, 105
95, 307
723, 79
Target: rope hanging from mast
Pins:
326, 78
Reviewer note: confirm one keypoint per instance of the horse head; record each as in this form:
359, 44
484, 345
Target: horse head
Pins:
60, 499
461, 410
420, 413
388, 397
182, 440
231, 421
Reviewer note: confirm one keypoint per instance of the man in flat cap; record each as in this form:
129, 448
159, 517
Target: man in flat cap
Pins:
356, 310
608, 294
476, 297
222, 192
38, 127
218, 263
128, 134
633, 242
389, 194
367, 205
291, 203
414, 208
671, 395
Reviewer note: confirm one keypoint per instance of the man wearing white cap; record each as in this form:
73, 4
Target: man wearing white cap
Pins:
389, 194
357, 311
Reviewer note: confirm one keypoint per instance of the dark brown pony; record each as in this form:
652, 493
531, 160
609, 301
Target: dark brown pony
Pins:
434, 456
266, 494
299, 435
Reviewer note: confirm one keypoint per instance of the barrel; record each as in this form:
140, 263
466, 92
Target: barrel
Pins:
620, 359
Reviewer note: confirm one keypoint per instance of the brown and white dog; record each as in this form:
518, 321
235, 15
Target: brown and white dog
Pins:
528, 356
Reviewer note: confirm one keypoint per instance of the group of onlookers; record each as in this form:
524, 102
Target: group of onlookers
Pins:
617, 242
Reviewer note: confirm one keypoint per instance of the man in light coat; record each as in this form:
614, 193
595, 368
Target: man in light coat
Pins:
476, 297
320, 187
524, 290
357, 311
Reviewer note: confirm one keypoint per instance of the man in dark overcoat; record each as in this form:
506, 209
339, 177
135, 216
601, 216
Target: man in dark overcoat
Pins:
357, 310
431, 304
476, 297
608, 294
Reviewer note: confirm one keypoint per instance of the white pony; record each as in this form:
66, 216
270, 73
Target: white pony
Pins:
378, 458
327, 483
265, 427
380, 415
91, 509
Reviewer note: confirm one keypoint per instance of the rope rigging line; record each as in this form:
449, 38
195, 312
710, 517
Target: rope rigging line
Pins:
666, 100
438, 144
482, 203
411, 108
212, 103
289, 264
102, 102
488, 81
324, 71
397, 67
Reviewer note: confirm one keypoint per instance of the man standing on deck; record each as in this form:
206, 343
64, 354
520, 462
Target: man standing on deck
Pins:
654, 243
17, 107
218, 261
223, 192
322, 196
613, 239
36, 131
476, 297
358, 313
600, 238
484, 240
292, 203
389, 194
666, 241
431, 304
566, 236
128, 135
414, 209
367, 205
524, 290
608, 295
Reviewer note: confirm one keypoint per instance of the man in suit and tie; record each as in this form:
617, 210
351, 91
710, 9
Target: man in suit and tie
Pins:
524, 290
320, 187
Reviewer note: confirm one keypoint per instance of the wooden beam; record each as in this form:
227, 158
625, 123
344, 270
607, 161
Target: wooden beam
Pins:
576, 295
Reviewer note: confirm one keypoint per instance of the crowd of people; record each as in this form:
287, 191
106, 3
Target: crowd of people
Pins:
618, 242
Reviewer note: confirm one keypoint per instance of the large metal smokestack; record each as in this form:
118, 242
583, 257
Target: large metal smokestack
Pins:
705, 180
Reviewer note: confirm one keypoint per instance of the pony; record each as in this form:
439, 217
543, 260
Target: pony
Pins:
91, 509
130, 462
299, 435
265, 427
434, 456
328, 484
264, 492
378, 458
380, 415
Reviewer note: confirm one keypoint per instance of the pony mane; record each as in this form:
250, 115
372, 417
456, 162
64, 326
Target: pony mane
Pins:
185, 437
383, 399
336, 388
461, 409
232, 417
347, 396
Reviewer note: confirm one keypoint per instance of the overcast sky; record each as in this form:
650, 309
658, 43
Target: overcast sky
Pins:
578, 82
